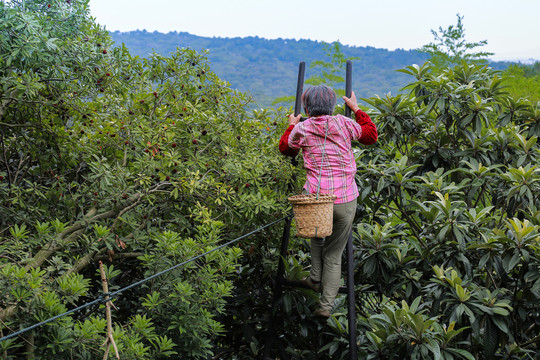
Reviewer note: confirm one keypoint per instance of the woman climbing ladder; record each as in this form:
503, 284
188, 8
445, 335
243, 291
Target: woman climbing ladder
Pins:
333, 150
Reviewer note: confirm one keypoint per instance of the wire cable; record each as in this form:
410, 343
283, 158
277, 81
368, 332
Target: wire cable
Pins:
102, 297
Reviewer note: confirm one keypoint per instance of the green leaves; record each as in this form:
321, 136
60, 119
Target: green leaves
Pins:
137, 163
407, 330
450, 46
72, 286
19, 233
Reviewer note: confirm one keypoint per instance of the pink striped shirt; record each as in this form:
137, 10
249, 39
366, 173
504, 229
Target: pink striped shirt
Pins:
338, 164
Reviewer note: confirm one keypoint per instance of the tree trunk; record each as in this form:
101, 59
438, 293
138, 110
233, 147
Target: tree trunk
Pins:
29, 347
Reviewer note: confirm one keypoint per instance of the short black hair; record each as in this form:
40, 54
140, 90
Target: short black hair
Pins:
319, 100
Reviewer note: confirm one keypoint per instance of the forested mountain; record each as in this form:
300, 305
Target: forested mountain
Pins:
268, 68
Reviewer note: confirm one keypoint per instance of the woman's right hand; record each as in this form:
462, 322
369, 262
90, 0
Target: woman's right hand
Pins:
351, 102
293, 120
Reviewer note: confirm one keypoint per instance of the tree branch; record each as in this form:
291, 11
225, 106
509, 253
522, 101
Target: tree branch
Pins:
5, 157
82, 263
126, 209
98, 255
110, 337
7, 312
49, 249
128, 255
532, 341
17, 125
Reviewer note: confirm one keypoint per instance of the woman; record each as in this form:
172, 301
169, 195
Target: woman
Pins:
326, 138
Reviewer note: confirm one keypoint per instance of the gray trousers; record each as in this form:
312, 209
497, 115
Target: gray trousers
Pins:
326, 253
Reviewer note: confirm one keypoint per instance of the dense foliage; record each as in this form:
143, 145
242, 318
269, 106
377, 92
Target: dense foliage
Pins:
447, 236
524, 82
139, 163
458, 192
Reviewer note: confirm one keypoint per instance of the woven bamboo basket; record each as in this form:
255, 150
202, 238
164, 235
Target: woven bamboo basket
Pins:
313, 216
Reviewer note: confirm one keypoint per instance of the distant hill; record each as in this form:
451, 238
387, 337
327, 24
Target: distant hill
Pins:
268, 68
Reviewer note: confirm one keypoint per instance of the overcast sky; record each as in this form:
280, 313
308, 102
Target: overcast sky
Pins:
512, 28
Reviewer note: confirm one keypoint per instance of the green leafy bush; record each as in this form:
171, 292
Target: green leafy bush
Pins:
455, 183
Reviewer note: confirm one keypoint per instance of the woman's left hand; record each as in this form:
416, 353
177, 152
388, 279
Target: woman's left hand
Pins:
293, 120
351, 102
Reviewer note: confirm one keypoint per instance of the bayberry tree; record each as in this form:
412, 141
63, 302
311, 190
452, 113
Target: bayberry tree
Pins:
139, 163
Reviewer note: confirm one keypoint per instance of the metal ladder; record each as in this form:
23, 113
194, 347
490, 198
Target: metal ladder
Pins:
280, 279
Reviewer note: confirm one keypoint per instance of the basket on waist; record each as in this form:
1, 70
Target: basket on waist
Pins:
314, 216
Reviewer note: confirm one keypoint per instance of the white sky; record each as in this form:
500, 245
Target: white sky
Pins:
512, 28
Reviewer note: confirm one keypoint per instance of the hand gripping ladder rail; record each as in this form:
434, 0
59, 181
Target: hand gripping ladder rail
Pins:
280, 279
